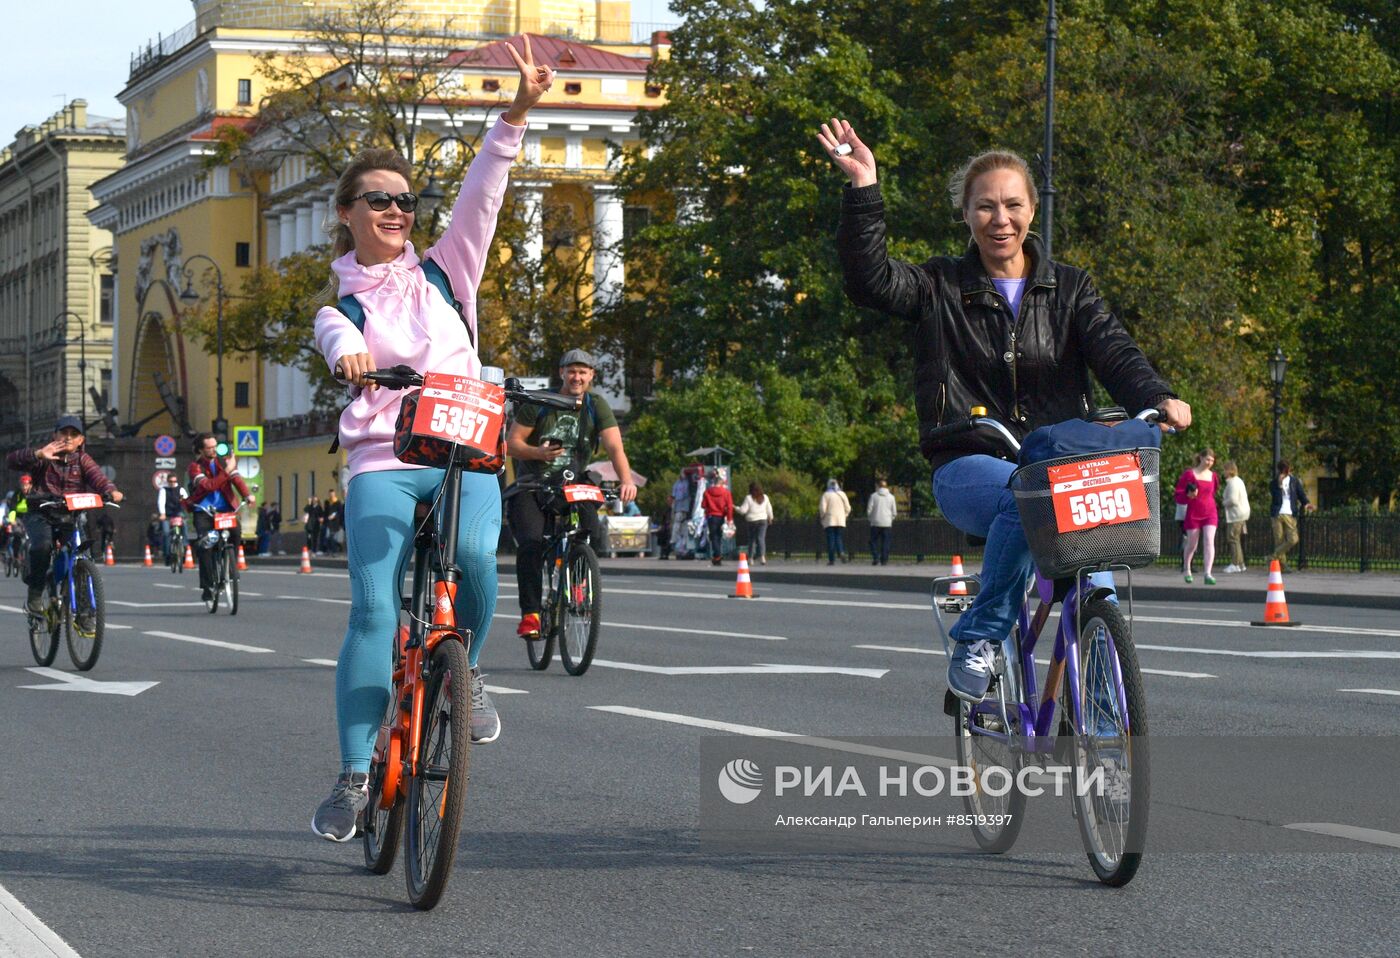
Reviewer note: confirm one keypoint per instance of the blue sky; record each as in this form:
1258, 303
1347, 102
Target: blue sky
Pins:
91, 62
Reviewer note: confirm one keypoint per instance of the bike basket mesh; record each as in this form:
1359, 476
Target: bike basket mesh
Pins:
1058, 554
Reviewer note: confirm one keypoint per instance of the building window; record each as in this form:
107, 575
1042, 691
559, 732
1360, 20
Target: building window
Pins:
634, 220
559, 226
490, 86
242, 254
653, 89
106, 299
105, 378
573, 88
245, 92
240, 395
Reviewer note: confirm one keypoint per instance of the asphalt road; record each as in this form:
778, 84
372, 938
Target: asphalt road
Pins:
175, 821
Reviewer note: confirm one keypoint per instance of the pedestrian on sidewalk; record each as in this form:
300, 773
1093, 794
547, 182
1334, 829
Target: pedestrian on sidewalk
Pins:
834, 508
881, 510
1236, 501
1287, 500
719, 509
757, 509
1196, 490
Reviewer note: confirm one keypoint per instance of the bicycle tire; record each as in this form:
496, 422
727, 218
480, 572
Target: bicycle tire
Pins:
43, 633
85, 638
977, 752
541, 650
231, 584
1113, 848
383, 828
580, 609
211, 604
437, 792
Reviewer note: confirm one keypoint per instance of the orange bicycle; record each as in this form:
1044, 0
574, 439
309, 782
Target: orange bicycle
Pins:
418, 775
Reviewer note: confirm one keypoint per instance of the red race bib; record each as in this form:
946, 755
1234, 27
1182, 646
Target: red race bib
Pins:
78, 501
583, 493
1098, 492
225, 520
462, 410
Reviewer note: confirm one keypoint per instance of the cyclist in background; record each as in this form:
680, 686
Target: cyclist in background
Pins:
169, 505
59, 467
215, 486
545, 442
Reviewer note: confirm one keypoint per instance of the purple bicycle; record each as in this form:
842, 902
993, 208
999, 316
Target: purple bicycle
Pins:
1083, 515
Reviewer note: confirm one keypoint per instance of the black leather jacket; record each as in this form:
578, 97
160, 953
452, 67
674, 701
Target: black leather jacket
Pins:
1030, 370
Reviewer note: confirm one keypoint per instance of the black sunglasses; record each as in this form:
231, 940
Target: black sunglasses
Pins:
379, 201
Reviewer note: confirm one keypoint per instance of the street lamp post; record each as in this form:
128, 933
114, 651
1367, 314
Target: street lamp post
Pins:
1278, 365
63, 340
1047, 192
432, 195
189, 297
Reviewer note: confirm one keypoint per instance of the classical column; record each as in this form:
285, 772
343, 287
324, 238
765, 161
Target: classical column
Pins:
608, 271
530, 203
304, 221
272, 233
286, 234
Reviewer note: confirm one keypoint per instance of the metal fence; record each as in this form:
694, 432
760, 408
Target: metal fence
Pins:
1356, 543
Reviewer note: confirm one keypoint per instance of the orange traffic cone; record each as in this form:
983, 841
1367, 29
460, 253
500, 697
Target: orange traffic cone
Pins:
743, 586
109, 559
242, 562
147, 561
189, 557
958, 588
1275, 605
305, 560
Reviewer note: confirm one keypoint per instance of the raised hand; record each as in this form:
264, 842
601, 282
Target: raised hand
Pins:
859, 163
535, 81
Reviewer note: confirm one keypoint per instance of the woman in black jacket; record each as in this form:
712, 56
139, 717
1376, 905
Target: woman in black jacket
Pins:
1000, 327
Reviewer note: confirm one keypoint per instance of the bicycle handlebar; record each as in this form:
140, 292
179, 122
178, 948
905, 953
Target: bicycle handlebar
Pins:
59, 503
406, 377
973, 423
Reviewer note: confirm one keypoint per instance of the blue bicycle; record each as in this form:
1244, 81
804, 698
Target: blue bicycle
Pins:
73, 586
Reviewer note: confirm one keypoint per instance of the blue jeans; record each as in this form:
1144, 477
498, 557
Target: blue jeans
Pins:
973, 495
835, 543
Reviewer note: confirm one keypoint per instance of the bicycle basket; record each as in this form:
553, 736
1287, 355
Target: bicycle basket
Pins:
1108, 538
427, 451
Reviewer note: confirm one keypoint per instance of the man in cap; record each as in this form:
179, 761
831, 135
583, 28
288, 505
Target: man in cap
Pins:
545, 442
59, 467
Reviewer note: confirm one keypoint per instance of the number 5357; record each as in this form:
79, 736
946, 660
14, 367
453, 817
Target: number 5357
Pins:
458, 423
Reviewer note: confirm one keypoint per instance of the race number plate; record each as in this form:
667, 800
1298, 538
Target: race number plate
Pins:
583, 493
1098, 492
460, 409
77, 501
225, 520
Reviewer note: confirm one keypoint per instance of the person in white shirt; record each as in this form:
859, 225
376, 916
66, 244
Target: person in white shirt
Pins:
833, 509
1236, 501
881, 510
757, 508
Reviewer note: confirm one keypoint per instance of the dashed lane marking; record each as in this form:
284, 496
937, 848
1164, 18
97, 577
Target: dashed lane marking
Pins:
1371, 836
1373, 691
214, 642
668, 628
1145, 671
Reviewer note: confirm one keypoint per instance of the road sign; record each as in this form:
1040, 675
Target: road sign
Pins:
248, 440
165, 462
159, 478
165, 446
249, 467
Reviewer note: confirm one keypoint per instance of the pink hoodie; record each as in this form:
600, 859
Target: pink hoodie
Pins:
406, 319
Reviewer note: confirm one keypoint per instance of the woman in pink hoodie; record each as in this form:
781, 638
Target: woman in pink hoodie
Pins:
407, 320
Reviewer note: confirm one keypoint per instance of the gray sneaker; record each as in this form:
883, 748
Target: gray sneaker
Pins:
35, 601
970, 669
339, 814
485, 723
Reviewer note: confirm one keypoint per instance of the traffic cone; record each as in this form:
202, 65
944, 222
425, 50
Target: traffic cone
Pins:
958, 588
743, 586
1275, 605
109, 559
189, 557
242, 562
147, 561
305, 560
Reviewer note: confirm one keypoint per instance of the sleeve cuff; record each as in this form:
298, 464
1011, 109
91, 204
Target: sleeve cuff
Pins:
505, 138
861, 197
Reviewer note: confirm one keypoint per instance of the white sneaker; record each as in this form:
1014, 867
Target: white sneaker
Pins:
1231, 568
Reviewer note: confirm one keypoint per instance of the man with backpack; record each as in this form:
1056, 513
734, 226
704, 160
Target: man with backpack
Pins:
545, 442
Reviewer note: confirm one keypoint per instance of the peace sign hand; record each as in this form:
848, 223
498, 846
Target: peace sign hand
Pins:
535, 81
846, 150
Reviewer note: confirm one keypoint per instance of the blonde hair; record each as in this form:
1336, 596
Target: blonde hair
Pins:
960, 186
1229, 470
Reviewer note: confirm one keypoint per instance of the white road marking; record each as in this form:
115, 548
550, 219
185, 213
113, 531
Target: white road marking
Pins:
23, 935
330, 662
315, 598
757, 669
1230, 624
921, 607
153, 605
1335, 654
214, 642
316, 575
667, 628
68, 682
1371, 836
1373, 691
1145, 671
756, 732
167, 585
496, 689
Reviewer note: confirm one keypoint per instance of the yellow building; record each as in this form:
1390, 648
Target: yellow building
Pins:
55, 278
172, 209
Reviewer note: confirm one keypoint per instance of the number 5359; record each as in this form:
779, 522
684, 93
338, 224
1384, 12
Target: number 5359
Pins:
1104, 506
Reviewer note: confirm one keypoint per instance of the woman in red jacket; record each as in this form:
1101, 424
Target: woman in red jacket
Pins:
718, 505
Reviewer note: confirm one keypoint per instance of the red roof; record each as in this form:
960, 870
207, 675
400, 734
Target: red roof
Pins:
564, 55
211, 132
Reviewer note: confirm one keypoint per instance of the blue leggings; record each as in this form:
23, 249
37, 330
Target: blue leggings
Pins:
379, 539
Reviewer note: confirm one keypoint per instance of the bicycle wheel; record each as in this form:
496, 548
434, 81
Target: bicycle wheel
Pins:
580, 604
996, 819
230, 584
382, 826
1112, 817
212, 603
541, 650
437, 792
85, 615
43, 631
